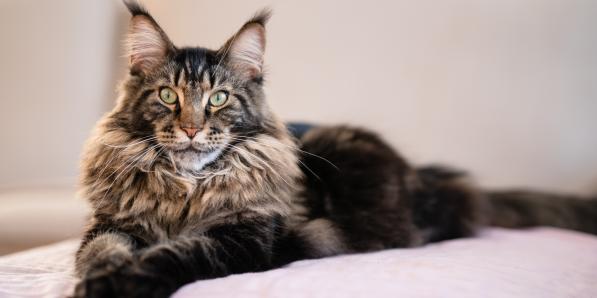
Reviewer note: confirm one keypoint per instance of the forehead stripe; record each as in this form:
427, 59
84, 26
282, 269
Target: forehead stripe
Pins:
205, 81
177, 77
211, 76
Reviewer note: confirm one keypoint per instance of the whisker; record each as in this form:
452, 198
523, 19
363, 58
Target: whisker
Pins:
135, 158
269, 146
259, 159
157, 155
298, 149
141, 140
114, 155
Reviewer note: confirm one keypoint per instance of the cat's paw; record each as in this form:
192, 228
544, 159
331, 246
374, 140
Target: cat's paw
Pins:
98, 286
122, 283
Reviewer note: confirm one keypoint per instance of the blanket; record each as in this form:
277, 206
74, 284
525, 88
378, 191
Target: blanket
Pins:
542, 262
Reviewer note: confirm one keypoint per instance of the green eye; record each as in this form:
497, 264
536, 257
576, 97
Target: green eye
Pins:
168, 95
219, 98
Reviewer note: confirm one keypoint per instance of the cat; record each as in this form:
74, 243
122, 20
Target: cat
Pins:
192, 176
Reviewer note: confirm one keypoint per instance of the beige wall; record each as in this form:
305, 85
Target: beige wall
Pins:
56, 71
504, 88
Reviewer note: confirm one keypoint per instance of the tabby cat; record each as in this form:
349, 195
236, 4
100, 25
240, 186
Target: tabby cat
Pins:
192, 176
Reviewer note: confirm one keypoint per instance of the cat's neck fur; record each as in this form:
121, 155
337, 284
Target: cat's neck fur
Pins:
126, 177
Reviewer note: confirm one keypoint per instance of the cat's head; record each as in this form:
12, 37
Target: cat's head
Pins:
193, 102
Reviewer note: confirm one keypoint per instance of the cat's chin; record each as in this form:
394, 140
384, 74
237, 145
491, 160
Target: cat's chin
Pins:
193, 161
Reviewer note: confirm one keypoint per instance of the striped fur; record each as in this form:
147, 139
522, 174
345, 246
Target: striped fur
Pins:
241, 194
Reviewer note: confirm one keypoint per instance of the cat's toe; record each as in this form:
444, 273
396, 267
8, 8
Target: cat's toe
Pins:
97, 287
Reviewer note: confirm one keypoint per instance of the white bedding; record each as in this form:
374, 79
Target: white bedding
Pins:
541, 262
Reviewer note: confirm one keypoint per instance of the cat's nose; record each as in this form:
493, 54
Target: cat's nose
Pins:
190, 131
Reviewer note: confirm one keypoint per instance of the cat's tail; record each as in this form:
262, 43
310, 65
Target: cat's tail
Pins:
521, 208
453, 205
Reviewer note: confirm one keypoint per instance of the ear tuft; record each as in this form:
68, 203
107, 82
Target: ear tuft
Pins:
261, 17
135, 8
147, 45
244, 51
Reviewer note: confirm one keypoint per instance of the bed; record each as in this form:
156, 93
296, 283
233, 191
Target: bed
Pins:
542, 262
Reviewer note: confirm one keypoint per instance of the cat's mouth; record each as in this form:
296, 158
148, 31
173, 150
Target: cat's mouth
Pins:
194, 159
193, 150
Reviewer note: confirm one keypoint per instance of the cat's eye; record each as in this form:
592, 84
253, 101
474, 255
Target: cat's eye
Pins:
218, 99
168, 95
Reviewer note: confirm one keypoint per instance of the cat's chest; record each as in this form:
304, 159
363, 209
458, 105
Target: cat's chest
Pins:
179, 209
173, 208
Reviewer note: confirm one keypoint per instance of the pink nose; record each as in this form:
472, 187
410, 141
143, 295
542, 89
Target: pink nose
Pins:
191, 131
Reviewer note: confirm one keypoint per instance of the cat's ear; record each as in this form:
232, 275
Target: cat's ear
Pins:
147, 44
244, 51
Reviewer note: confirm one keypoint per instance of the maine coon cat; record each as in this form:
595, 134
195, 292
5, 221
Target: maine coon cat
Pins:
192, 176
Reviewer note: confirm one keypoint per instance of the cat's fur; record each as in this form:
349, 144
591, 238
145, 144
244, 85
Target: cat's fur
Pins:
238, 193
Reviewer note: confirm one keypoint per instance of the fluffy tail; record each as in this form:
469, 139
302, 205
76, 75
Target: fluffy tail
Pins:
518, 209
449, 207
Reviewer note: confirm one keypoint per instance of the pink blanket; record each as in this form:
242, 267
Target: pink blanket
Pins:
541, 262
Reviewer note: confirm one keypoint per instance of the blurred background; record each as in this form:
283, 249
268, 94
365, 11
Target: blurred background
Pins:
506, 89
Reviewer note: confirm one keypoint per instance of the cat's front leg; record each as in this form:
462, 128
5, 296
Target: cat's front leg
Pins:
108, 265
162, 268
101, 255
